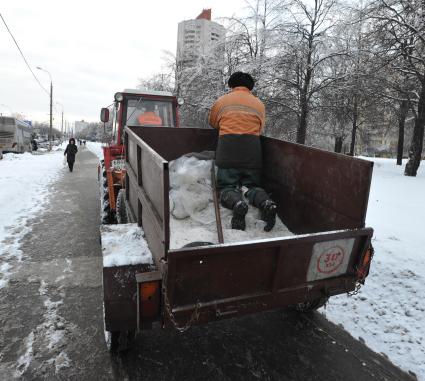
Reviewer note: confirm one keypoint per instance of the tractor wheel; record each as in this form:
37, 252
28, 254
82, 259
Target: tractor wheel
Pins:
311, 305
122, 217
106, 215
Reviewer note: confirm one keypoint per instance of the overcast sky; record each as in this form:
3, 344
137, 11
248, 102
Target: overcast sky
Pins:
91, 48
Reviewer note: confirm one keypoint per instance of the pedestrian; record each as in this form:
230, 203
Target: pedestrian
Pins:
34, 145
70, 152
239, 117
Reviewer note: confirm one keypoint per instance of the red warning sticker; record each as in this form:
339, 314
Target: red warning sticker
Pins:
330, 259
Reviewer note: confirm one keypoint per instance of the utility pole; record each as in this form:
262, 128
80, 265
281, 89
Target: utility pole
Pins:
51, 107
62, 125
51, 115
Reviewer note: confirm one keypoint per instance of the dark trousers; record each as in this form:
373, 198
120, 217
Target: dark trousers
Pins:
71, 165
230, 181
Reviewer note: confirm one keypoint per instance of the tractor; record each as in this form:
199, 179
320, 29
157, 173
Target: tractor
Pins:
131, 107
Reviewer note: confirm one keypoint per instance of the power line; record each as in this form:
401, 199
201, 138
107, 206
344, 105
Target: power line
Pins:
22, 54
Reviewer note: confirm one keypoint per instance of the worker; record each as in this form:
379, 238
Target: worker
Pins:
239, 117
149, 117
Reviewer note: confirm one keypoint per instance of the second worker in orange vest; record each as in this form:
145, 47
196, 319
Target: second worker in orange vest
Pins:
149, 117
239, 116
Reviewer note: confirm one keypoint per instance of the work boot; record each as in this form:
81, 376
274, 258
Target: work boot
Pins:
268, 214
239, 212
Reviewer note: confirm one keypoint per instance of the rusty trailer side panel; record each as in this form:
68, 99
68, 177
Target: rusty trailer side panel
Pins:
316, 190
147, 184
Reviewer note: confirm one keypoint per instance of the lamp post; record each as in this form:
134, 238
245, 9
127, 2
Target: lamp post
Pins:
51, 106
60, 104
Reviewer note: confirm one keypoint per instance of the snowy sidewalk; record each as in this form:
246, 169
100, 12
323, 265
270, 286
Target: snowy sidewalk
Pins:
24, 184
51, 308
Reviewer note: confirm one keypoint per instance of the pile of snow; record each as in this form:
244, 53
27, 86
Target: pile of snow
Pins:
192, 213
96, 148
124, 245
389, 311
24, 184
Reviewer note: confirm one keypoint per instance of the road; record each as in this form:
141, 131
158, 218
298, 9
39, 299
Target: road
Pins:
52, 326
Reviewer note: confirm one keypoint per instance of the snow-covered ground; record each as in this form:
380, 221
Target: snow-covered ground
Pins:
389, 311
24, 184
96, 148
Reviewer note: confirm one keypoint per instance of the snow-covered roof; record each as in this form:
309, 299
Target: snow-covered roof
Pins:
148, 92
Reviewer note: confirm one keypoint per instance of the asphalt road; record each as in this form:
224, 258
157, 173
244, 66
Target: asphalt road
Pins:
52, 326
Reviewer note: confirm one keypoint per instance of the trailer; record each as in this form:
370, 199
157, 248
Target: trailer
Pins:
15, 135
322, 197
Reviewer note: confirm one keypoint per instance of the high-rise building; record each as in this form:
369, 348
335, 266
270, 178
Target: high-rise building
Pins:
199, 38
80, 126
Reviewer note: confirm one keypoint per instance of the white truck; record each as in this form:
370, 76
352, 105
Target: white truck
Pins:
15, 135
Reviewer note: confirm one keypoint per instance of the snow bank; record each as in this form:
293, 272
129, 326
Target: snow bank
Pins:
96, 148
389, 311
24, 183
124, 245
192, 215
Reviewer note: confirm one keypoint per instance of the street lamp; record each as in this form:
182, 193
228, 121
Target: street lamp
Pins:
51, 105
60, 104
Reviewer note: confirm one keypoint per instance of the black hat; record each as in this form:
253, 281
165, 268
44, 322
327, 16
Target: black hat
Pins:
241, 79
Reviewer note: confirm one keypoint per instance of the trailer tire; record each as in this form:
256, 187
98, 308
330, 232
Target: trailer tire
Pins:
122, 217
113, 345
312, 305
120, 341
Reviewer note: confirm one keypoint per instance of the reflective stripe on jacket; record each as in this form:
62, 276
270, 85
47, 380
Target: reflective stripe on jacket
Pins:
239, 117
238, 112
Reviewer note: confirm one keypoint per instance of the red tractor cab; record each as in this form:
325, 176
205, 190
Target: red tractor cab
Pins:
134, 108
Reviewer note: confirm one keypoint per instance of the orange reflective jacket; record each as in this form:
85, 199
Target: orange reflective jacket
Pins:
149, 118
238, 112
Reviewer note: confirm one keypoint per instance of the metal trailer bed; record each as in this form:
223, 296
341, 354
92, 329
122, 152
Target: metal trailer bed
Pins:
322, 197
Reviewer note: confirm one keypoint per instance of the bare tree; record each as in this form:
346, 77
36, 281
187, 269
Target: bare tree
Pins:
402, 25
305, 37
159, 82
